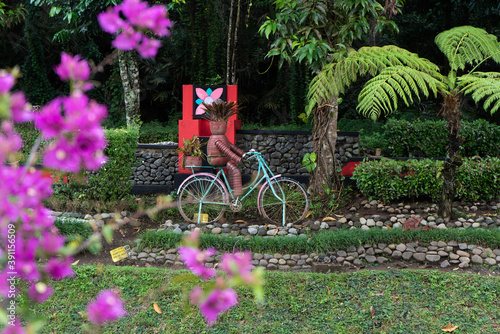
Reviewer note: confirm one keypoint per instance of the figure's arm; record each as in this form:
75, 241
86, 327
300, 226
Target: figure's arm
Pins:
227, 151
236, 150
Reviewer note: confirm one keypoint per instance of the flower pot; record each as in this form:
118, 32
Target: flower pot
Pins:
218, 127
193, 161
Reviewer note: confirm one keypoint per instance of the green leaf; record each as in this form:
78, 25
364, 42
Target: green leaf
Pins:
107, 233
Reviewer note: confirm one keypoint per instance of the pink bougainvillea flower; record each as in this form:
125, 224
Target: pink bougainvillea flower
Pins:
137, 16
127, 40
239, 263
50, 120
217, 302
110, 21
10, 140
52, 242
194, 259
148, 47
59, 269
208, 97
17, 328
72, 68
60, 155
40, 292
19, 108
106, 307
6, 82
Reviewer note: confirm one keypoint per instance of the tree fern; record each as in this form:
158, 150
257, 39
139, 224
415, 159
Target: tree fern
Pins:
467, 45
336, 77
380, 95
483, 85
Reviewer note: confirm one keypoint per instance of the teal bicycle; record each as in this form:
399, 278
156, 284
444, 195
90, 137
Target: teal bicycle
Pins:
204, 197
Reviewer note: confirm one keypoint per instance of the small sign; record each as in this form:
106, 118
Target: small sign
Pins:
203, 218
119, 253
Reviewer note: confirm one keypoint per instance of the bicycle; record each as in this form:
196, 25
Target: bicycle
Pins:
204, 197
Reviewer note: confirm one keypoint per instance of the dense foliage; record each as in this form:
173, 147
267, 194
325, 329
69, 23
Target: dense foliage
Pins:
391, 180
112, 181
418, 138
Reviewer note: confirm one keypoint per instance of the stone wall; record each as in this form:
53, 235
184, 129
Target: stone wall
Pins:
284, 150
157, 164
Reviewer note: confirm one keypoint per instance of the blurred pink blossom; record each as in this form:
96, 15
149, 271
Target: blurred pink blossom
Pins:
106, 307
194, 259
217, 302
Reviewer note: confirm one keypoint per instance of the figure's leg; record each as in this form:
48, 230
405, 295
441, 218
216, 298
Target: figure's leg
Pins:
234, 178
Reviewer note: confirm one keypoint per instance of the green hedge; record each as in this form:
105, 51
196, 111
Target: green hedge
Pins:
112, 181
155, 132
391, 180
323, 242
430, 138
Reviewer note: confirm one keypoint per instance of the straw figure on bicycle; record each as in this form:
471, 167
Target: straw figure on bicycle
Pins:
220, 151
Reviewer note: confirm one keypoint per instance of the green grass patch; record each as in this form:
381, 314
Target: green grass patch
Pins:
324, 241
73, 228
403, 302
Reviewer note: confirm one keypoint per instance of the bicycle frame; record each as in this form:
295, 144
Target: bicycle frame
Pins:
267, 177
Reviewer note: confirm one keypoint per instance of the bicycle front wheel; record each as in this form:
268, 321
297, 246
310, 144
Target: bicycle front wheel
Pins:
202, 199
283, 201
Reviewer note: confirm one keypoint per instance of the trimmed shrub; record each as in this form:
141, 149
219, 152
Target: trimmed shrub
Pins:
322, 242
112, 181
391, 180
430, 138
155, 132
29, 136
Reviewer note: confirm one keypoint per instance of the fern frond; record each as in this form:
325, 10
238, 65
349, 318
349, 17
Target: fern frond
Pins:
380, 95
468, 45
336, 77
483, 86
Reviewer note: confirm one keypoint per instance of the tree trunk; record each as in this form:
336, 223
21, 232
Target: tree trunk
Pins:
453, 160
129, 73
325, 139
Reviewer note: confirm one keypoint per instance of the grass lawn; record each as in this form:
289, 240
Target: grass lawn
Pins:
402, 301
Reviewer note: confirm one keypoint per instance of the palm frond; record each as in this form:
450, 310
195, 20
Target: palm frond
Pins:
483, 85
338, 76
380, 95
468, 45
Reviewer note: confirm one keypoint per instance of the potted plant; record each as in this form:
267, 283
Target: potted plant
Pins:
191, 152
218, 113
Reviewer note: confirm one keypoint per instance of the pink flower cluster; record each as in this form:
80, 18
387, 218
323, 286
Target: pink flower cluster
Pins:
106, 307
138, 17
26, 227
237, 267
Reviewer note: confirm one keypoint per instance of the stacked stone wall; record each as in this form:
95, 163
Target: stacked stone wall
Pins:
284, 150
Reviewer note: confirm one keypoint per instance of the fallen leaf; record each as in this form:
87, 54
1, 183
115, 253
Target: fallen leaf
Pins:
137, 229
80, 314
75, 263
449, 328
329, 219
328, 290
275, 232
372, 311
157, 308
379, 294
241, 221
309, 213
122, 233
456, 268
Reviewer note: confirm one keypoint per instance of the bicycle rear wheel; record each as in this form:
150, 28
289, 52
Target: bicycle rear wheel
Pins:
202, 199
289, 200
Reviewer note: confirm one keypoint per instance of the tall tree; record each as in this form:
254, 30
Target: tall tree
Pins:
401, 75
81, 23
313, 31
